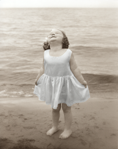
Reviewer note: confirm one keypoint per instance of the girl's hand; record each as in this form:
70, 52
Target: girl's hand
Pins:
46, 44
85, 84
46, 41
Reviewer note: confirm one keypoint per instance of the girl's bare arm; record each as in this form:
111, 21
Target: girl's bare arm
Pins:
41, 71
76, 71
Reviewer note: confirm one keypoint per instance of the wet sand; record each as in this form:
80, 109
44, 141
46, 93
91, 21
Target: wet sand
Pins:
25, 121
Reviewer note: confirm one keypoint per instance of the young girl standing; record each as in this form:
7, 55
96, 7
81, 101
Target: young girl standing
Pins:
60, 82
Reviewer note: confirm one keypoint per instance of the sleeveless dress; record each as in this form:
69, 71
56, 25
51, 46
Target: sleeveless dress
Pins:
58, 84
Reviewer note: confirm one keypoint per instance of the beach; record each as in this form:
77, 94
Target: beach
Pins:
24, 123
93, 38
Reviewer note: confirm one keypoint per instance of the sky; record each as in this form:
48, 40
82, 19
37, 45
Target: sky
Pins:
58, 3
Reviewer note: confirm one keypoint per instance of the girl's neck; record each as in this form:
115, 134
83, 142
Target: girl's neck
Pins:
56, 48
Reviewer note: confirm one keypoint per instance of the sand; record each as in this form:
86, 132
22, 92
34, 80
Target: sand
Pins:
25, 121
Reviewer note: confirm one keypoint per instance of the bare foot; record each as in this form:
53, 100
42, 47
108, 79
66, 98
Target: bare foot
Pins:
52, 131
65, 134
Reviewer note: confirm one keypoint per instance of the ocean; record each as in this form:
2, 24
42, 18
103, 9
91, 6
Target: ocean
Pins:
92, 34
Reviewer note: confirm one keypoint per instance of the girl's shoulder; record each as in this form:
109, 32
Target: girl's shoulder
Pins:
45, 51
71, 53
70, 50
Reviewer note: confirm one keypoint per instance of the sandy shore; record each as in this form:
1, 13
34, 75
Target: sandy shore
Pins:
24, 122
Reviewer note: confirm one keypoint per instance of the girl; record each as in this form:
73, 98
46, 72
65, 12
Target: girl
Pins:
60, 82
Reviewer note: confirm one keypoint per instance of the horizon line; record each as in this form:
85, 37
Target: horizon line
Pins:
59, 7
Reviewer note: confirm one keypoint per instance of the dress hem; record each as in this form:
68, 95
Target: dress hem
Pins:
72, 103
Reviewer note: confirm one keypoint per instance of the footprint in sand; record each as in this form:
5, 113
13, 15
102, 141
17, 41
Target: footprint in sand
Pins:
92, 117
104, 123
84, 116
113, 135
25, 140
96, 127
25, 119
20, 115
83, 142
50, 146
29, 127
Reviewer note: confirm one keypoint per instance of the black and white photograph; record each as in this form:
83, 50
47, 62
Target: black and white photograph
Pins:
58, 74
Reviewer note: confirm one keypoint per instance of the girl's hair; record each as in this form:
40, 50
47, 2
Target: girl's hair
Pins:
65, 42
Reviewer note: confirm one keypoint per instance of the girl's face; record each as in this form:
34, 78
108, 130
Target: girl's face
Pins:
55, 35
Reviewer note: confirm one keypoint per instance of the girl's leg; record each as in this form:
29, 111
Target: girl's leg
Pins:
55, 120
68, 121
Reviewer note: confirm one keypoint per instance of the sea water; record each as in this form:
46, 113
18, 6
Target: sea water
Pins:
92, 34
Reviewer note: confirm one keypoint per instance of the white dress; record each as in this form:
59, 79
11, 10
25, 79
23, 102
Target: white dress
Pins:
58, 84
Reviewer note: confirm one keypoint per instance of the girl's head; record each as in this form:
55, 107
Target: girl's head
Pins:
56, 36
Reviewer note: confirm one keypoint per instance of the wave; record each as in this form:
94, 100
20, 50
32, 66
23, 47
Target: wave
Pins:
100, 78
96, 83
94, 47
